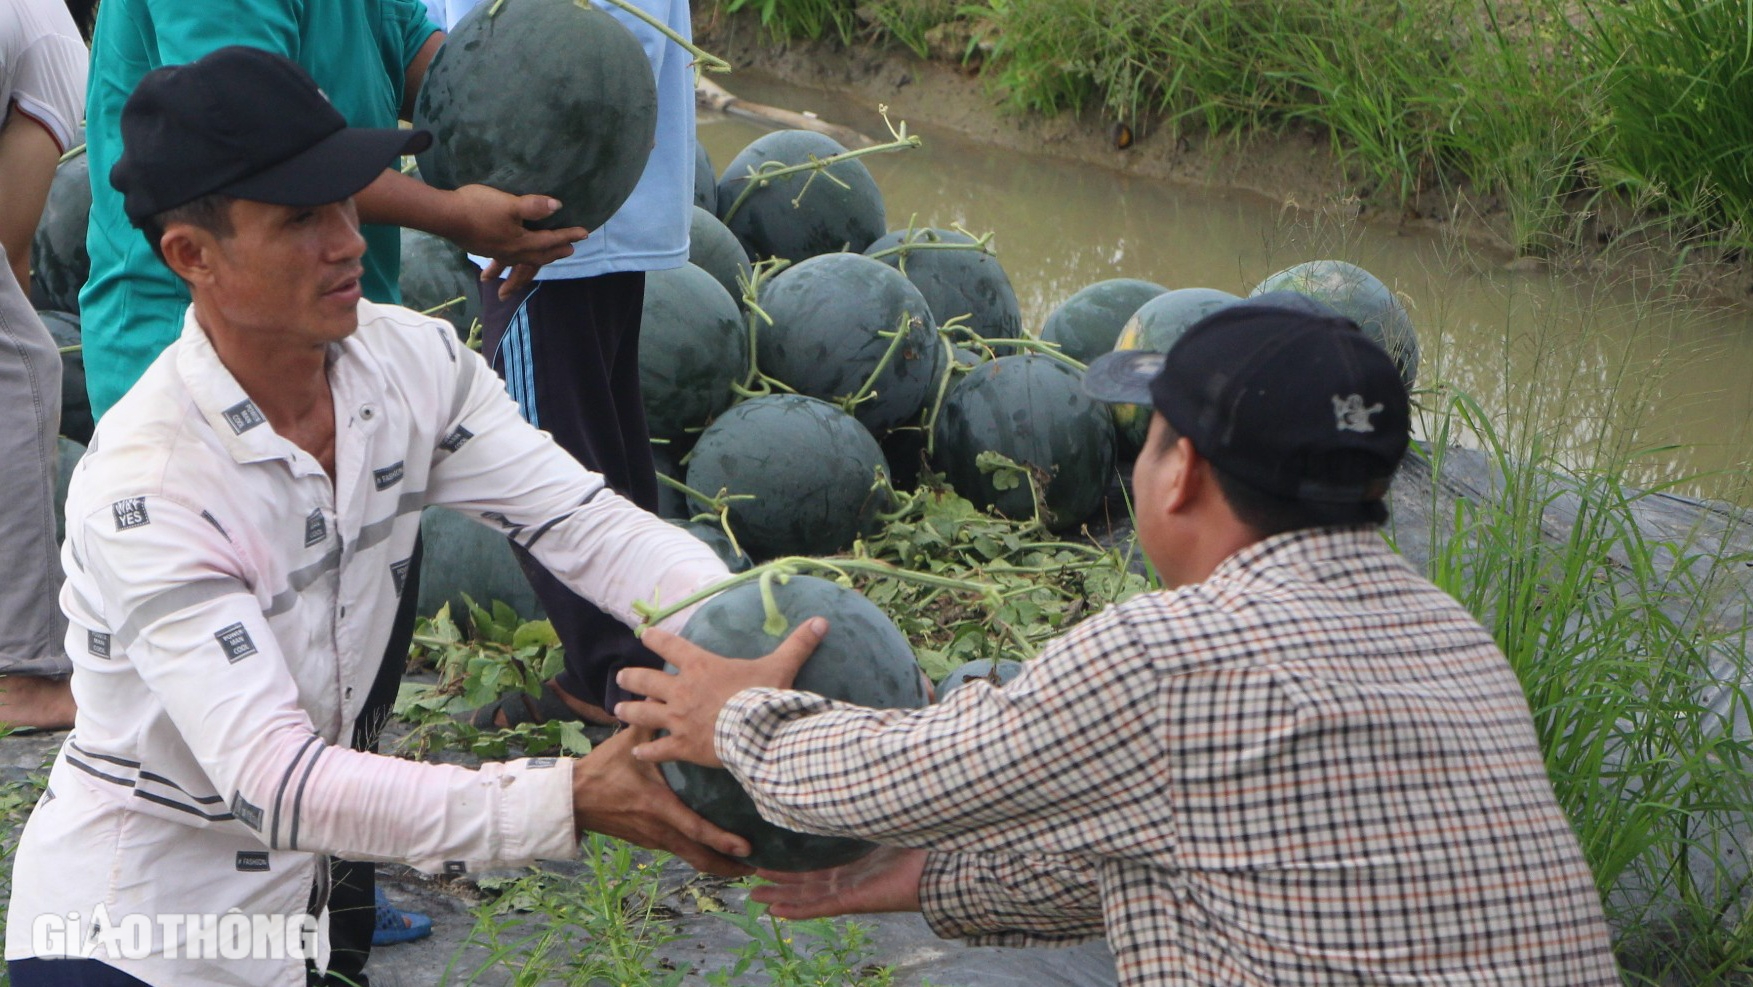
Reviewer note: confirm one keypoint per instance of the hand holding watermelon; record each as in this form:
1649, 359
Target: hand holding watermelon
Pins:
687, 703
489, 223
616, 795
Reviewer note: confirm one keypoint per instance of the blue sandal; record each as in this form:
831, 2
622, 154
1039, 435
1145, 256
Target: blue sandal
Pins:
396, 926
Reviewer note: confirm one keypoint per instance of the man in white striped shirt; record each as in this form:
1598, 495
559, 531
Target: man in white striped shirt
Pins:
238, 537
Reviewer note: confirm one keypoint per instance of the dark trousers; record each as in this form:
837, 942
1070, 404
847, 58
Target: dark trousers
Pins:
568, 351
353, 884
68, 973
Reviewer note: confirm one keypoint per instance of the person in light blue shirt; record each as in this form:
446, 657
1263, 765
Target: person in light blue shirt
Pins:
568, 348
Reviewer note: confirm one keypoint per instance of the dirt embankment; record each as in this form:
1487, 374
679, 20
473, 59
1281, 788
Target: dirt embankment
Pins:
1296, 168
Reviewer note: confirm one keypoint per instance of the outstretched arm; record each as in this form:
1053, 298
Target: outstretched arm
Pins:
1066, 759
157, 584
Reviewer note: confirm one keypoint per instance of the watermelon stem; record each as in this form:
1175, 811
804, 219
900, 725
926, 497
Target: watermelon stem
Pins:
441, 306
868, 390
703, 60
910, 244
651, 613
943, 385
717, 508
764, 174
756, 384
1038, 345
775, 624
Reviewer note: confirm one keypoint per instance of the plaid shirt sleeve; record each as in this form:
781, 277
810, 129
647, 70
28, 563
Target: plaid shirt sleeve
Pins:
1063, 760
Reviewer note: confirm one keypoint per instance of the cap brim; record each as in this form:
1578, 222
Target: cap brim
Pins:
1123, 377
338, 166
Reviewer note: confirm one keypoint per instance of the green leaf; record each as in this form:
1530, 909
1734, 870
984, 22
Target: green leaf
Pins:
572, 738
534, 633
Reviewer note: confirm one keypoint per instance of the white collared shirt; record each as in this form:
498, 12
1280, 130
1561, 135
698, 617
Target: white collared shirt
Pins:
228, 607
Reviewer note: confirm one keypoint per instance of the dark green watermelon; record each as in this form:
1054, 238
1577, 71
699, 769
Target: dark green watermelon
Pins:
824, 341
954, 282
1157, 325
713, 247
705, 180
58, 261
1087, 324
714, 536
982, 669
1359, 296
463, 556
548, 97
779, 218
76, 421
692, 347
810, 466
863, 659
436, 272
1031, 409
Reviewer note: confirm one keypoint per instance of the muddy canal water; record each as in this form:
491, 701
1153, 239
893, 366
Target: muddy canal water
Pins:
1595, 369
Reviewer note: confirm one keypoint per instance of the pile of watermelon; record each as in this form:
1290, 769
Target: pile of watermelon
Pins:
867, 354
810, 360
860, 356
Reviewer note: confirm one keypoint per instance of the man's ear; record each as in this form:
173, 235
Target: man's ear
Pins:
188, 251
1186, 475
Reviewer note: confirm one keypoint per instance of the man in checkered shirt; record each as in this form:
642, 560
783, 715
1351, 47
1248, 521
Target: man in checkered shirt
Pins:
1299, 763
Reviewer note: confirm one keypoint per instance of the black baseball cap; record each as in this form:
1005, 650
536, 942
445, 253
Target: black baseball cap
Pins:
247, 123
1285, 396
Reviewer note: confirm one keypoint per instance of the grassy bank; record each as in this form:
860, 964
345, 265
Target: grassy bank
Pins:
1584, 121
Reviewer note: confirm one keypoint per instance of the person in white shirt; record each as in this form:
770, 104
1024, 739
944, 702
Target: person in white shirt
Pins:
43, 64
238, 537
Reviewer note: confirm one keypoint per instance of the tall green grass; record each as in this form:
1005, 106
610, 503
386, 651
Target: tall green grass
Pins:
1532, 108
1622, 605
1677, 79
1637, 690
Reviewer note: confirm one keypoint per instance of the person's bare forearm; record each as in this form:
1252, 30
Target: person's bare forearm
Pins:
395, 199
481, 220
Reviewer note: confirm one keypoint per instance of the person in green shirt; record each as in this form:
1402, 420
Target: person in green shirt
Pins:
369, 57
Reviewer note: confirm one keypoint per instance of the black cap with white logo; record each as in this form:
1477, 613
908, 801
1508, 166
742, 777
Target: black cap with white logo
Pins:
246, 123
1286, 397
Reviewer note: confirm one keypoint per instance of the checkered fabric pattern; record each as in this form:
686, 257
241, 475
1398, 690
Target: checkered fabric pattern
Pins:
1312, 768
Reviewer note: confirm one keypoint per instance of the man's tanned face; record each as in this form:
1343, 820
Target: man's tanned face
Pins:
285, 272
